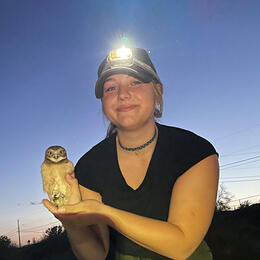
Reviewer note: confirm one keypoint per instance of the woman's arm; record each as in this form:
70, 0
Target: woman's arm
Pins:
190, 213
88, 241
91, 241
101, 229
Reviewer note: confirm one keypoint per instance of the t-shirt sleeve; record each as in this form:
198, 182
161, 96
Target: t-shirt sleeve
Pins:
85, 174
91, 168
195, 149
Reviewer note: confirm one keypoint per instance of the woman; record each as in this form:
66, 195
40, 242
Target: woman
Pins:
147, 191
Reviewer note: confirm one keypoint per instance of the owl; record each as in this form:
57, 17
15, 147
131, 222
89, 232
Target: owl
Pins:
54, 169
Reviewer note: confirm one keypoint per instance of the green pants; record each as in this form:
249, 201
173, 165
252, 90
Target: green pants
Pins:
130, 257
201, 253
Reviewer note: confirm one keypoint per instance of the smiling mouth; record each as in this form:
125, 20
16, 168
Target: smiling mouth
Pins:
126, 108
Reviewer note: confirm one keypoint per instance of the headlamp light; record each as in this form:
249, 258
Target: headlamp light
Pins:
120, 54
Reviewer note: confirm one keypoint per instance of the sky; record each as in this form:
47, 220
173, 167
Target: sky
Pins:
206, 53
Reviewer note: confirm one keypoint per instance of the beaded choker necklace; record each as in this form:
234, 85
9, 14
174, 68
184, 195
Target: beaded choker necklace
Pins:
138, 147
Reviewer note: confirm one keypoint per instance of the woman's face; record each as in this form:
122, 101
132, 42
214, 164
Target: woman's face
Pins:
128, 102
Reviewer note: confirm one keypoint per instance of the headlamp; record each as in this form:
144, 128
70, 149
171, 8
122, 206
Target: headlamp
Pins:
132, 61
120, 54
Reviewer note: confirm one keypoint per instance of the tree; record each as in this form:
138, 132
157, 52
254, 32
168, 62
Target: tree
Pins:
223, 199
53, 232
5, 242
244, 205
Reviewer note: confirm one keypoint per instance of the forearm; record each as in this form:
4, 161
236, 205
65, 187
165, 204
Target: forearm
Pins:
159, 236
90, 242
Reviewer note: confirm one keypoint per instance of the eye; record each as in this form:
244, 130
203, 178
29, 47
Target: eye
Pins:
109, 89
137, 82
50, 152
61, 152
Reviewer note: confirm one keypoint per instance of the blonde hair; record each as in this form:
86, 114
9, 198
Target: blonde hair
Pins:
158, 91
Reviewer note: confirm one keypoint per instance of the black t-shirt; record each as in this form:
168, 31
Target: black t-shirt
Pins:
175, 152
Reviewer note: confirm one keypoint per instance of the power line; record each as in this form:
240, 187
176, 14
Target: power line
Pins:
238, 154
244, 149
246, 197
240, 177
241, 180
251, 158
238, 131
39, 227
234, 166
10, 233
40, 232
29, 222
246, 168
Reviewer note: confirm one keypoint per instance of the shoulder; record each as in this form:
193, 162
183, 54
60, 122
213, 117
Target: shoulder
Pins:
187, 147
97, 152
90, 167
176, 132
183, 138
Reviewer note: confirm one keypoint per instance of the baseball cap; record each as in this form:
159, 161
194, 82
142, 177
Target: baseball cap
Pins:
132, 61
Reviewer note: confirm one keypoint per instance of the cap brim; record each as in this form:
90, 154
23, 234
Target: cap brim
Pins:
136, 73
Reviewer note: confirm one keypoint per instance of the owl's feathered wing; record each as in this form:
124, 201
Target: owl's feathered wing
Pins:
54, 183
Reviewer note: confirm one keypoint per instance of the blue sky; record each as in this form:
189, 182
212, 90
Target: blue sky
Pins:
206, 54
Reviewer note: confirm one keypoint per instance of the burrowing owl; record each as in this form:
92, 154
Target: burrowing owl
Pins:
54, 169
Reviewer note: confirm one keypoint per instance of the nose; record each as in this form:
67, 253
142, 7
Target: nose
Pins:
124, 92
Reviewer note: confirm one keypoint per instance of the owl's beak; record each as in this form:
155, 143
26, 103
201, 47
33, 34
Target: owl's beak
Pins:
56, 156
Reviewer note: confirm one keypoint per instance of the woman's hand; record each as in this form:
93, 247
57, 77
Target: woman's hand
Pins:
85, 213
74, 198
77, 212
89, 206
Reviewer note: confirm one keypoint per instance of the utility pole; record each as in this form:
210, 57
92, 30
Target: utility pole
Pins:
19, 237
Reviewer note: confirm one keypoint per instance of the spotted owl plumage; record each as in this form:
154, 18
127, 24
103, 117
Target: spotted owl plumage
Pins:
54, 169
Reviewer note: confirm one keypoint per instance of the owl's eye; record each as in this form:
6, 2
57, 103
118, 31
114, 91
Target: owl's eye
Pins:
61, 152
50, 152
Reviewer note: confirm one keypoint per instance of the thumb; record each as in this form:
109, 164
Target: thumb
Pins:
70, 178
75, 195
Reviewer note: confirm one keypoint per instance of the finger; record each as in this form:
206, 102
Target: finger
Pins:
61, 210
69, 209
66, 209
49, 206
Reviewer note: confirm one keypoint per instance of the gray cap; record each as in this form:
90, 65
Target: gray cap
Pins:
138, 65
